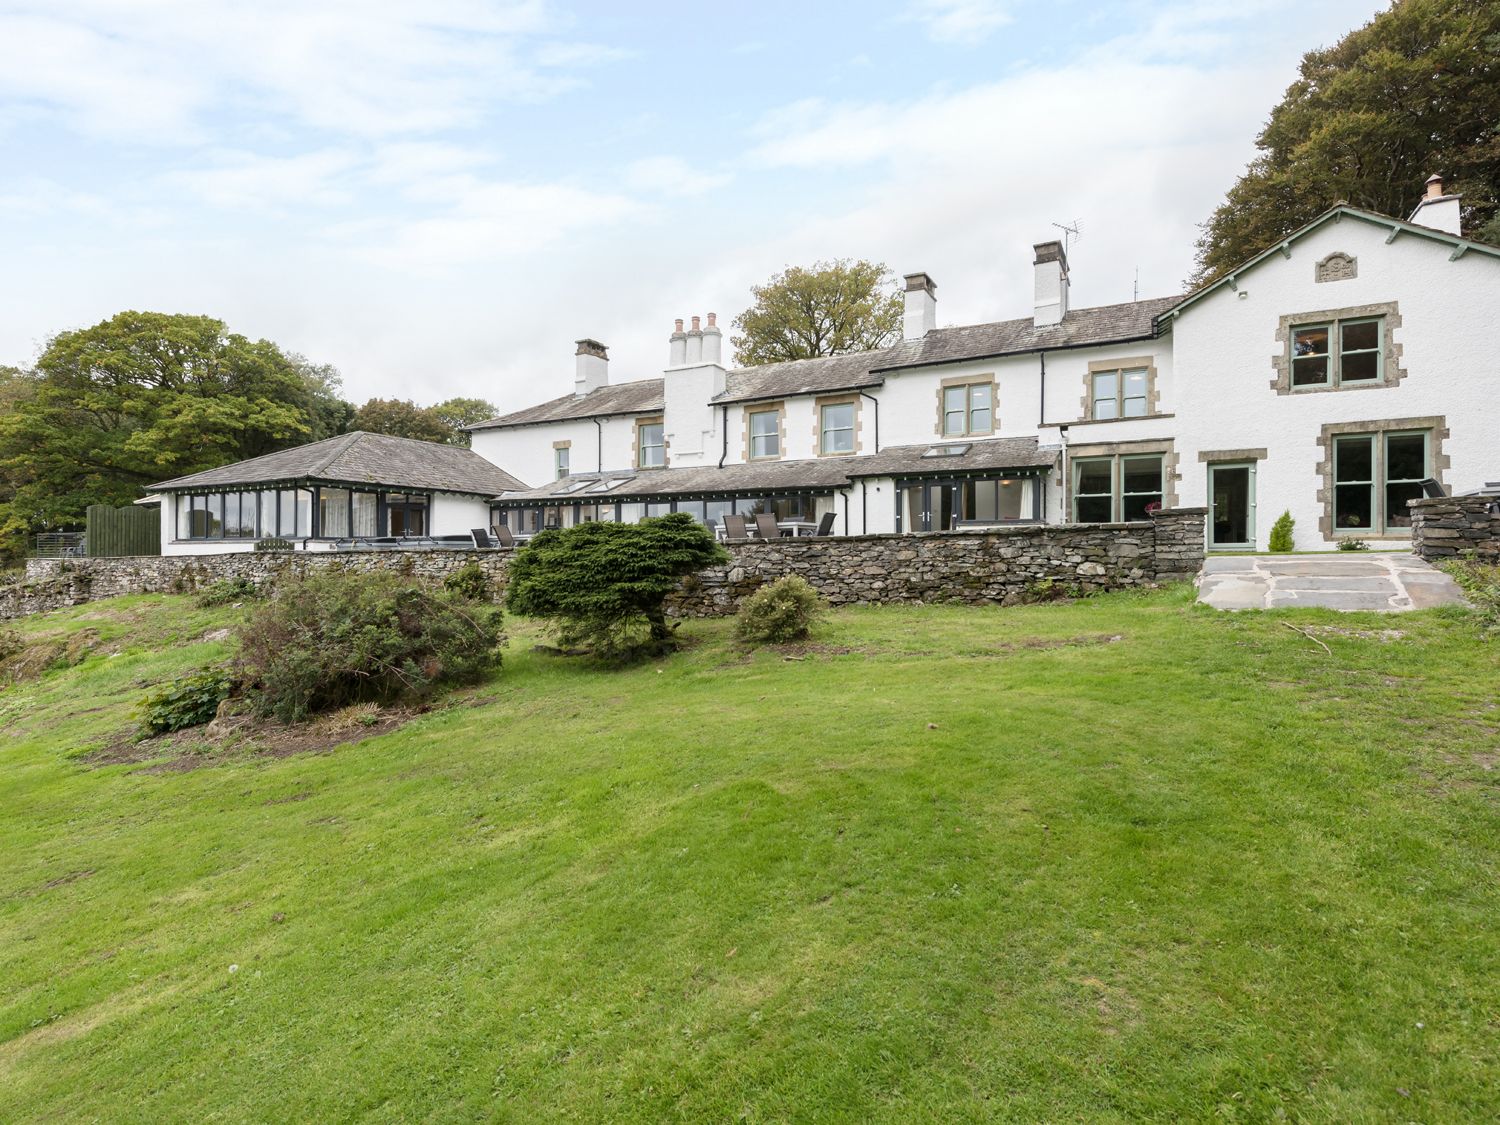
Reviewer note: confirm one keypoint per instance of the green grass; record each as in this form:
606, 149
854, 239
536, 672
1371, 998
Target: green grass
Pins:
984, 865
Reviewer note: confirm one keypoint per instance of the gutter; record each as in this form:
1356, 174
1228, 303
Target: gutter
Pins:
1025, 351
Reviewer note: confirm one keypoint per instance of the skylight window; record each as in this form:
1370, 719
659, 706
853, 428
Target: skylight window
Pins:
572, 486
609, 483
948, 450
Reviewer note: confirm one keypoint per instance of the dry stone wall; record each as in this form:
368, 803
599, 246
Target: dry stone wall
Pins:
995, 567
1446, 527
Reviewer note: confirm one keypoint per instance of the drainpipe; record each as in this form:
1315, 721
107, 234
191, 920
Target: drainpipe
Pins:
845, 495
1062, 432
876, 401
864, 508
724, 426
1042, 409
599, 457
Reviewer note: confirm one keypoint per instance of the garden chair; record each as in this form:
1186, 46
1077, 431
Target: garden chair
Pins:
734, 527
766, 527
481, 538
503, 535
825, 525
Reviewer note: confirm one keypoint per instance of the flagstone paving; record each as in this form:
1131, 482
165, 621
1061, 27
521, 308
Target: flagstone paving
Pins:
1386, 583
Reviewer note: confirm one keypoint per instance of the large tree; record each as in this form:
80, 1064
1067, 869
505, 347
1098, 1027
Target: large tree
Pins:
831, 309
443, 422
1414, 92
141, 397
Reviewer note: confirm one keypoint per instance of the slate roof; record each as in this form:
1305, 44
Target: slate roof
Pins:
813, 474
1134, 320
361, 458
645, 396
981, 454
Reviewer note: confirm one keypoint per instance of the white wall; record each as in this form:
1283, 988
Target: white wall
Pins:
525, 452
1224, 346
451, 514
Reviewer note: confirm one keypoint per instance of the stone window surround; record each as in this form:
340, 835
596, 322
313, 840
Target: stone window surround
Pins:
1391, 370
635, 442
557, 445
1129, 363
1436, 424
1170, 472
763, 408
987, 379
1228, 456
859, 423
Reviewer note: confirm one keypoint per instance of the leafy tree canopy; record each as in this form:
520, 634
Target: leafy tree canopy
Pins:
404, 418
831, 309
605, 584
1414, 92
141, 397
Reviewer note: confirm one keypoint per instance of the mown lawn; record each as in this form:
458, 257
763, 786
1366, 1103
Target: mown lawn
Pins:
1127, 859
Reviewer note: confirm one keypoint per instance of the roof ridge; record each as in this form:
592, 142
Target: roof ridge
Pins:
348, 441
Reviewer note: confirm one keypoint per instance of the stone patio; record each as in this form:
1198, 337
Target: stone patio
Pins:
1384, 583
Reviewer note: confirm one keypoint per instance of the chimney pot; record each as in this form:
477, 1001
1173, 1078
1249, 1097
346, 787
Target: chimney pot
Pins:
1438, 210
677, 325
695, 323
713, 320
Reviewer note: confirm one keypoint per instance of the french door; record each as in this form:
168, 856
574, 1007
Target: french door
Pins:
1231, 490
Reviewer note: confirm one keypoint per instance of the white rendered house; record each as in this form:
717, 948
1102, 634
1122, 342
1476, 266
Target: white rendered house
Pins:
1330, 376
1335, 376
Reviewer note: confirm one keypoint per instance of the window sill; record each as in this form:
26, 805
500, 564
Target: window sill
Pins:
1109, 421
846, 453
1328, 388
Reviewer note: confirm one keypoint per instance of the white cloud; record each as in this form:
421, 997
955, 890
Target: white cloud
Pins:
960, 21
671, 175
252, 181
153, 71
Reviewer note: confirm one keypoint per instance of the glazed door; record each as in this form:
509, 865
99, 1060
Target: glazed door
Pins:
1231, 489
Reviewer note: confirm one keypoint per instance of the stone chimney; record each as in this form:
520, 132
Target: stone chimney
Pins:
1439, 210
1051, 297
695, 343
713, 340
591, 368
921, 307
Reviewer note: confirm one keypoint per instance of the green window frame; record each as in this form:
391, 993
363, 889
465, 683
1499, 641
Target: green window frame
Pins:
765, 435
1118, 488
969, 409
1121, 392
651, 445
1326, 355
836, 428
561, 456
1374, 475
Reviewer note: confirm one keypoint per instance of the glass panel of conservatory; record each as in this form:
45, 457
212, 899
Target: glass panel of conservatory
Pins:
304, 511
333, 513
1011, 495
364, 514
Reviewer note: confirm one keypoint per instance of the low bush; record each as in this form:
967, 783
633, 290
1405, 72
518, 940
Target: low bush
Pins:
1353, 545
605, 585
338, 638
784, 610
1481, 585
11, 642
470, 581
273, 545
227, 591
187, 702
1281, 533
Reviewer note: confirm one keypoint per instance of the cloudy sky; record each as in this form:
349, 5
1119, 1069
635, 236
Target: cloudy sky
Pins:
439, 196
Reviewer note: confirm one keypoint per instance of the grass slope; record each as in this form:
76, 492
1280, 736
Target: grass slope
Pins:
986, 864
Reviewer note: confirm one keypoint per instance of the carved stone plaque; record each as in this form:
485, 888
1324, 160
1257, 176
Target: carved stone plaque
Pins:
1338, 266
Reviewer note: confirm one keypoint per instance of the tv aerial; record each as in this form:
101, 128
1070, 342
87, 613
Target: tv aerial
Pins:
1072, 232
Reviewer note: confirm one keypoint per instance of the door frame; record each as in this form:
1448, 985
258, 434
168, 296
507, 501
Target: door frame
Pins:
1249, 544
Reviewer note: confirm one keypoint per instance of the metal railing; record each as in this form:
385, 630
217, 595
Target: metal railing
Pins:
58, 545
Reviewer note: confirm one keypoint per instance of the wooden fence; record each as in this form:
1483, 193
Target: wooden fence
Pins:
117, 532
